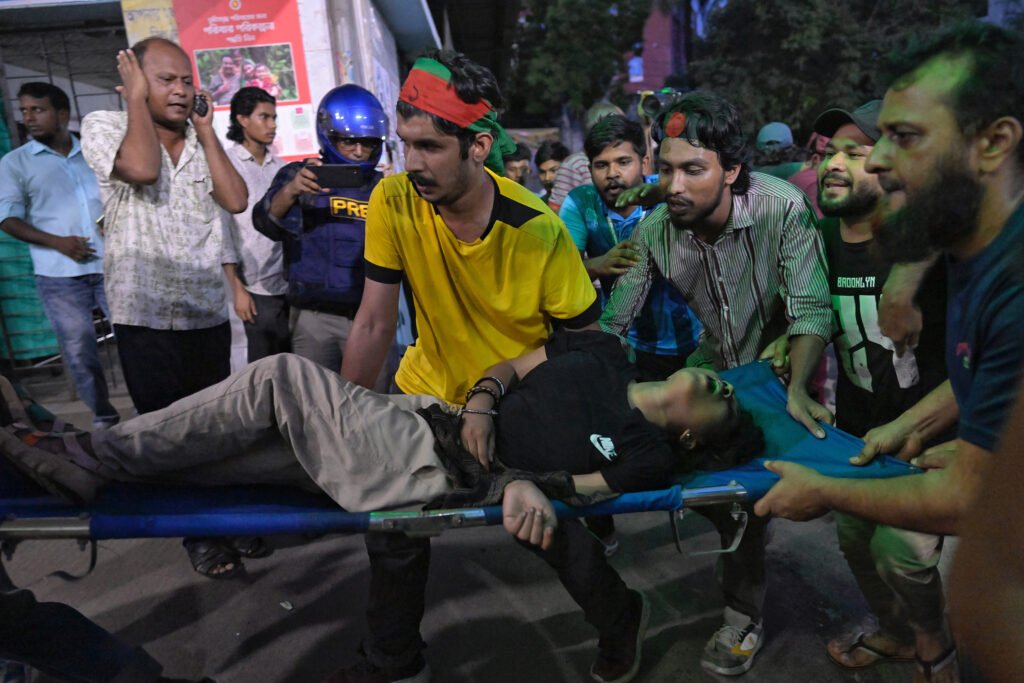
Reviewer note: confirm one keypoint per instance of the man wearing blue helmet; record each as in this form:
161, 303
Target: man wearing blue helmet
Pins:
323, 228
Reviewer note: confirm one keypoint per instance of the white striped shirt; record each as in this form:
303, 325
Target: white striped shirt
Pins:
765, 270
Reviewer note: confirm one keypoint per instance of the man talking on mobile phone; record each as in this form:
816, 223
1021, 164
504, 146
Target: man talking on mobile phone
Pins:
165, 180
323, 227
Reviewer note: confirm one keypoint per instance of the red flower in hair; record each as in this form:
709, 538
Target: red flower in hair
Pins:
675, 125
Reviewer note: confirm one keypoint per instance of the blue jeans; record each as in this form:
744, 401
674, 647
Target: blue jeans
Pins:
69, 303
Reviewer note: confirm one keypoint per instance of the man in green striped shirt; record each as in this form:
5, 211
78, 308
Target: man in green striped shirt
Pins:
745, 251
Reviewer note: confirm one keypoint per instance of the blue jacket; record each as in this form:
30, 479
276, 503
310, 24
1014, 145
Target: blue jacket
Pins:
323, 239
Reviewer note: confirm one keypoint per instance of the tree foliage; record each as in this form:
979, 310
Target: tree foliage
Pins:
568, 53
789, 60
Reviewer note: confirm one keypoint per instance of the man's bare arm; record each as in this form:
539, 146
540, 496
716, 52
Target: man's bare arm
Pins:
138, 157
899, 318
373, 332
229, 190
804, 356
906, 436
75, 248
933, 502
304, 182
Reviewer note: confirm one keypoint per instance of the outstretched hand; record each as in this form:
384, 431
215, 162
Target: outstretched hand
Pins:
796, 496
646, 195
890, 438
616, 260
808, 412
528, 514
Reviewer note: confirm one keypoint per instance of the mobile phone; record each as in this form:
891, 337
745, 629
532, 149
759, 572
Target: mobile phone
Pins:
339, 175
200, 106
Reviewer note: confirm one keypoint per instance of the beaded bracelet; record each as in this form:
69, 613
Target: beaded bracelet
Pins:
473, 411
501, 385
473, 391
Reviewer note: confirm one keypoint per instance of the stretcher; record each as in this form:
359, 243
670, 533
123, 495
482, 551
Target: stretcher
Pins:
145, 511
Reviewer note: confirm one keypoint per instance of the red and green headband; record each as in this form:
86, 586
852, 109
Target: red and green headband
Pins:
428, 88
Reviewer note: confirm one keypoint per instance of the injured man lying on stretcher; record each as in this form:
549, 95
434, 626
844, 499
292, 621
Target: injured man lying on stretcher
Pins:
567, 420
571, 406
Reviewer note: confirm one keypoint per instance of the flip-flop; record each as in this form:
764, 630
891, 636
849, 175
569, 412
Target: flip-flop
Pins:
947, 658
206, 554
250, 546
859, 643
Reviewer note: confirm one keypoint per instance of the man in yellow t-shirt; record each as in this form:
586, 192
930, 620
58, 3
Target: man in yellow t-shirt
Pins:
490, 270
478, 300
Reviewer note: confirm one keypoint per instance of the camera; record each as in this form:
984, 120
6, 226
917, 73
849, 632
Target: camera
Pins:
653, 102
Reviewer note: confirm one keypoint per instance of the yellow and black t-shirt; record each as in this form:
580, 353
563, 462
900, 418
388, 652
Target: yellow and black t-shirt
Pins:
475, 303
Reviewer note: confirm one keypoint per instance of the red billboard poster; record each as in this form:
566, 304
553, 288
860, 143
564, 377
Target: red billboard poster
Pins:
258, 43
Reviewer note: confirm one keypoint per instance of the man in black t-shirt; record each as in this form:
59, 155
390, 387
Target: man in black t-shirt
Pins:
571, 406
895, 569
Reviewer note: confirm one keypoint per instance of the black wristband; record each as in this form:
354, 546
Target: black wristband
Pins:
501, 385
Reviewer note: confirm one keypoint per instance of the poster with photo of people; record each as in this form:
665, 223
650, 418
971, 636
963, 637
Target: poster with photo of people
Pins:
258, 43
223, 71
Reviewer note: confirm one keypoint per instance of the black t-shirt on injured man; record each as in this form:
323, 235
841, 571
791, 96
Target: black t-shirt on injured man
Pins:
571, 413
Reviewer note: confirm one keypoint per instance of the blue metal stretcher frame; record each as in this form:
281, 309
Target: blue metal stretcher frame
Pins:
135, 511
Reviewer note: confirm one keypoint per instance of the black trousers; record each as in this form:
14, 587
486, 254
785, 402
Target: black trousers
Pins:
398, 577
270, 333
161, 366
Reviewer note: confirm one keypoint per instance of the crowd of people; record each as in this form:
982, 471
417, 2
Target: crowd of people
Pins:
568, 344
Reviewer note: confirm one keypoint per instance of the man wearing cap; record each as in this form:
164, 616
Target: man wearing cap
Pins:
897, 570
950, 163
745, 251
490, 269
775, 153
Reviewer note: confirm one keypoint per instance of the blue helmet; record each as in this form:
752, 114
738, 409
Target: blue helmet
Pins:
348, 112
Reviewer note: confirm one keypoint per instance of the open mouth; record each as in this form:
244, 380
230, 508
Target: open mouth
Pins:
834, 182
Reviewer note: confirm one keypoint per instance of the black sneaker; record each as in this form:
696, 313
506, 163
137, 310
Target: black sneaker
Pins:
618, 659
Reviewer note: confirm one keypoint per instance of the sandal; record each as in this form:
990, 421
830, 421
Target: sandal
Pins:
209, 554
925, 670
250, 546
860, 644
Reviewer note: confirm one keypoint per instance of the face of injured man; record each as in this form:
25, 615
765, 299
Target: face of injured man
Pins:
699, 401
